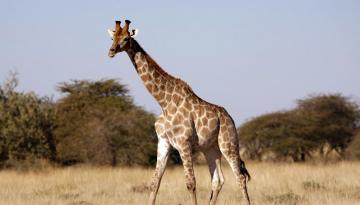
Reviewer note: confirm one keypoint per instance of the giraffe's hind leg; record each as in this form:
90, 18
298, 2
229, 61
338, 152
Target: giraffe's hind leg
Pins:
213, 158
229, 147
240, 177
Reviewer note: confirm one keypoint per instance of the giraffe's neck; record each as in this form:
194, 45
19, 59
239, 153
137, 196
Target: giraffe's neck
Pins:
157, 81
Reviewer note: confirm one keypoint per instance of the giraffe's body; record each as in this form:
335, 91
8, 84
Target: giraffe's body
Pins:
183, 113
187, 122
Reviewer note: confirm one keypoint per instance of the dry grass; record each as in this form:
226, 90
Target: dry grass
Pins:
271, 184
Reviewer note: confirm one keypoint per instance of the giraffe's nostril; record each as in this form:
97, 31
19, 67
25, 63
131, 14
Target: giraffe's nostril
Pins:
112, 49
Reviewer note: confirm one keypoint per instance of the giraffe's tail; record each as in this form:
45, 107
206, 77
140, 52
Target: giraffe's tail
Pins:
244, 171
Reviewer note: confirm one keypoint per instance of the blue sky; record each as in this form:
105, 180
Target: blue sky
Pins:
252, 57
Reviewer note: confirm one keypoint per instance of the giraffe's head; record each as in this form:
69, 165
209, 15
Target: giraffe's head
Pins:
121, 38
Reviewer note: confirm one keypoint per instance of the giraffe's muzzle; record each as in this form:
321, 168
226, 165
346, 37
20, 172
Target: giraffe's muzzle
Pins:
111, 54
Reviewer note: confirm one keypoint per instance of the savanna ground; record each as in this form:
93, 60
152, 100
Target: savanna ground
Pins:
272, 183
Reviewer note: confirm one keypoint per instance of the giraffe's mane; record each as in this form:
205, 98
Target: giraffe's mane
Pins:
152, 62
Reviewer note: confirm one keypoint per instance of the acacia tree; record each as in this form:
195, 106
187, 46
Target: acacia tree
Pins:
275, 133
329, 119
98, 123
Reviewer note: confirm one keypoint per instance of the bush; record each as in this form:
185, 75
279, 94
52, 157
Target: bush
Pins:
26, 125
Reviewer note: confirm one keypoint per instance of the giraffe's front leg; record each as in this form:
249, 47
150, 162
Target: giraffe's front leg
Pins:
163, 151
186, 157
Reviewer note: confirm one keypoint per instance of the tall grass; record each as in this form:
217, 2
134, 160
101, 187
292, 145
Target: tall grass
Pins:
277, 183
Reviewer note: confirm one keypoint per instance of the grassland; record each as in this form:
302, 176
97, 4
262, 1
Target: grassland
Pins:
277, 183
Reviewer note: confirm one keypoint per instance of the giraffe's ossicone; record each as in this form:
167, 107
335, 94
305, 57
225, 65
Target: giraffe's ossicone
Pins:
186, 123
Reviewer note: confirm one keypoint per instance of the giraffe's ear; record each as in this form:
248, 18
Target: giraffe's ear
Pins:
134, 32
111, 33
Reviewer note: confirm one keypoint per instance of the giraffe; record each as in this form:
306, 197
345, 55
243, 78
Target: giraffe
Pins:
187, 122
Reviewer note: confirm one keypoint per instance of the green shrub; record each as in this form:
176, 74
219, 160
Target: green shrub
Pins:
26, 125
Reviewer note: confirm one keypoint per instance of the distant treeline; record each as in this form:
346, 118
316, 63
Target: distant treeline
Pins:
320, 127
97, 122
93, 123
